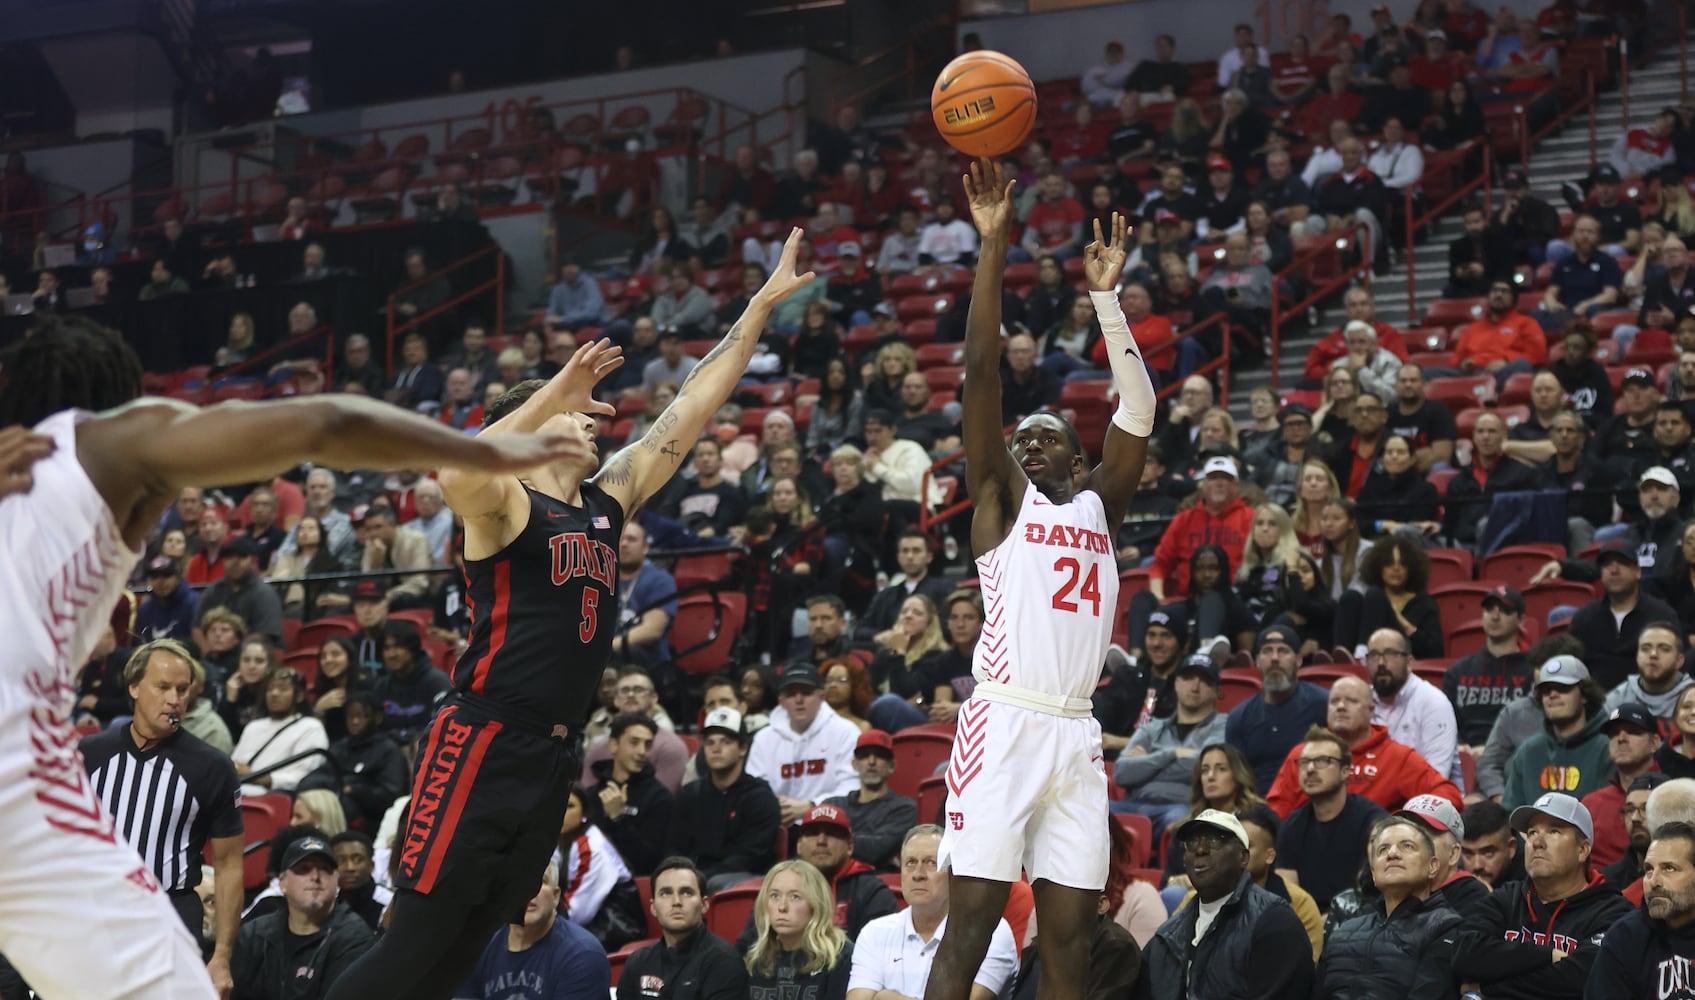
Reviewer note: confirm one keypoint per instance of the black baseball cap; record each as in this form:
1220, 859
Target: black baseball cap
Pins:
241, 545
800, 675
1631, 713
1171, 618
1285, 634
1516, 178
1642, 375
1614, 548
1295, 410
307, 847
1199, 663
1606, 174
369, 590
1507, 597
163, 566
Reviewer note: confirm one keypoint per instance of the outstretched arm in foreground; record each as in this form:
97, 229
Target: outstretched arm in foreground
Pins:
994, 480
637, 472
1120, 472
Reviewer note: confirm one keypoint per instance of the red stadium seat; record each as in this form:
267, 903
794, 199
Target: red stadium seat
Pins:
945, 377
619, 958
1550, 594
1141, 831
922, 306
932, 799
932, 355
1455, 566
1426, 338
919, 752
731, 908
705, 567
1462, 392
1460, 603
644, 891
1432, 670
1516, 564
1453, 312
314, 633
305, 661
1233, 690
1517, 389
705, 628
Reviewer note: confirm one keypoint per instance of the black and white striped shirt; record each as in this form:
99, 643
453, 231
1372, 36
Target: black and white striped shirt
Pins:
165, 802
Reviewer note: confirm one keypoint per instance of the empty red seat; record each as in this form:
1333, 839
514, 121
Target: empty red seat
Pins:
1461, 393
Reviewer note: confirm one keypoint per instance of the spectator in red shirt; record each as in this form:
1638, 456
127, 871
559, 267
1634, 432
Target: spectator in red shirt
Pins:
828, 234
207, 565
1464, 24
1502, 342
1335, 102
1154, 336
1055, 224
1295, 74
1438, 66
1360, 307
1338, 31
1222, 518
1084, 142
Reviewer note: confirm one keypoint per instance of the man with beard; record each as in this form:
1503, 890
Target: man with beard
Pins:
1381, 770
1429, 426
880, 817
1235, 934
285, 730
1649, 953
1139, 685
1490, 850
1482, 254
540, 957
367, 768
825, 841
356, 881
1632, 740
1480, 684
1268, 725
1570, 754
1623, 873
632, 690
310, 939
242, 591
1581, 474
1414, 710
1538, 939
1659, 680
1609, 626
1323, 842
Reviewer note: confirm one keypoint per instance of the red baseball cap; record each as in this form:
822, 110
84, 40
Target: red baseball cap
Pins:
1218, 163
875, 739
827, 815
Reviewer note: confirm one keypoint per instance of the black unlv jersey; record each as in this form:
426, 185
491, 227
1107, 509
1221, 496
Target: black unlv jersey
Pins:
544, 610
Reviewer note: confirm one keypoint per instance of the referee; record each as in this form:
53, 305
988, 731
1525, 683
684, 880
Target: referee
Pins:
168, 791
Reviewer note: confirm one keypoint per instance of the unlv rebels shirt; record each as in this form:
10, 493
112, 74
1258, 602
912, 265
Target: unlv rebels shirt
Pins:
544, 610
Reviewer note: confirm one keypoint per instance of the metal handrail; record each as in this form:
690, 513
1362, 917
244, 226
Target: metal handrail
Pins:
1416, 223
497, 284
270, 769
237, 369
1357, 234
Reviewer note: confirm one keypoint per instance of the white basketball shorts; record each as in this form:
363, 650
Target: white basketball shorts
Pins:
81, 917
1027, 793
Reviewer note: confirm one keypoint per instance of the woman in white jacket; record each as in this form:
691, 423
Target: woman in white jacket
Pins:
284, 731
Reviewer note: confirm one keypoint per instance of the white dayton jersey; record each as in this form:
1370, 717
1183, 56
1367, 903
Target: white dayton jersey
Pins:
1050, 590
64, 564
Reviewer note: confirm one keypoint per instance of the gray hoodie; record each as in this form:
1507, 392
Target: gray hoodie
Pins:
1159, 775
1662, 705
1519, 721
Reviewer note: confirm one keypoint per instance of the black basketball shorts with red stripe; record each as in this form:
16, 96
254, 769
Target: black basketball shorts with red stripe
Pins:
487, 802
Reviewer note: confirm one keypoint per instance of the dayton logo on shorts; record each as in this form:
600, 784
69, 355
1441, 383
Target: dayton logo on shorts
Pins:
426, 805
956, 820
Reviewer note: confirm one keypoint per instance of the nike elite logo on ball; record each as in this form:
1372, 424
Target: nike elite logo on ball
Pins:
969, 111
950, 81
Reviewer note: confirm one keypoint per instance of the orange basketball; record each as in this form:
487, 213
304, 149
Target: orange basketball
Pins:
984, 104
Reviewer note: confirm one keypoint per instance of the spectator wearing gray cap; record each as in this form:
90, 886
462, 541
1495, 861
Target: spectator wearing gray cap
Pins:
1159, 765
1537, 940
1627, 870
1570, 755
1403, 943
1633, 736
311, 939
1274, 721
1234, 934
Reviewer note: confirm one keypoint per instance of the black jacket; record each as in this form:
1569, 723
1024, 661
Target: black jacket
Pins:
1256, 948
879, 826
700, 967
270, 964
372, 770
1406, 497
725, 830
1472, 485
1589, 486
1463, 893
639, 834
1510, 941
885, 607
1610, 650
1640, 958
1384, 956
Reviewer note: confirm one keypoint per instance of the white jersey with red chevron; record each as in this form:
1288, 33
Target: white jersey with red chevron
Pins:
64, 563
1049, 593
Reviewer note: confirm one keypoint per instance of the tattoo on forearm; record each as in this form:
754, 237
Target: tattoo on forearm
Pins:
660, 428
670, 450
731, 339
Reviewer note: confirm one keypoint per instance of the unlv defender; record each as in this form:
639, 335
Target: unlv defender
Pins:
541, 558
1027, 790
69, 540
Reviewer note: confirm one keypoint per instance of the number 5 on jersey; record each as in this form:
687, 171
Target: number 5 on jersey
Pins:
1090, 592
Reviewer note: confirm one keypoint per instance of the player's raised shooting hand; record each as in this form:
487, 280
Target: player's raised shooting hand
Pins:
573, 388
784, 282
989, 193
1103, 260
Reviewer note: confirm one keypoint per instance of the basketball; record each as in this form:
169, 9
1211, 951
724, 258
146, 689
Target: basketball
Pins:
984, 104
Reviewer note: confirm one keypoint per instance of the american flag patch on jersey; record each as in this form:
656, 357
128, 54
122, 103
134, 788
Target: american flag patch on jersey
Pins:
603, 522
